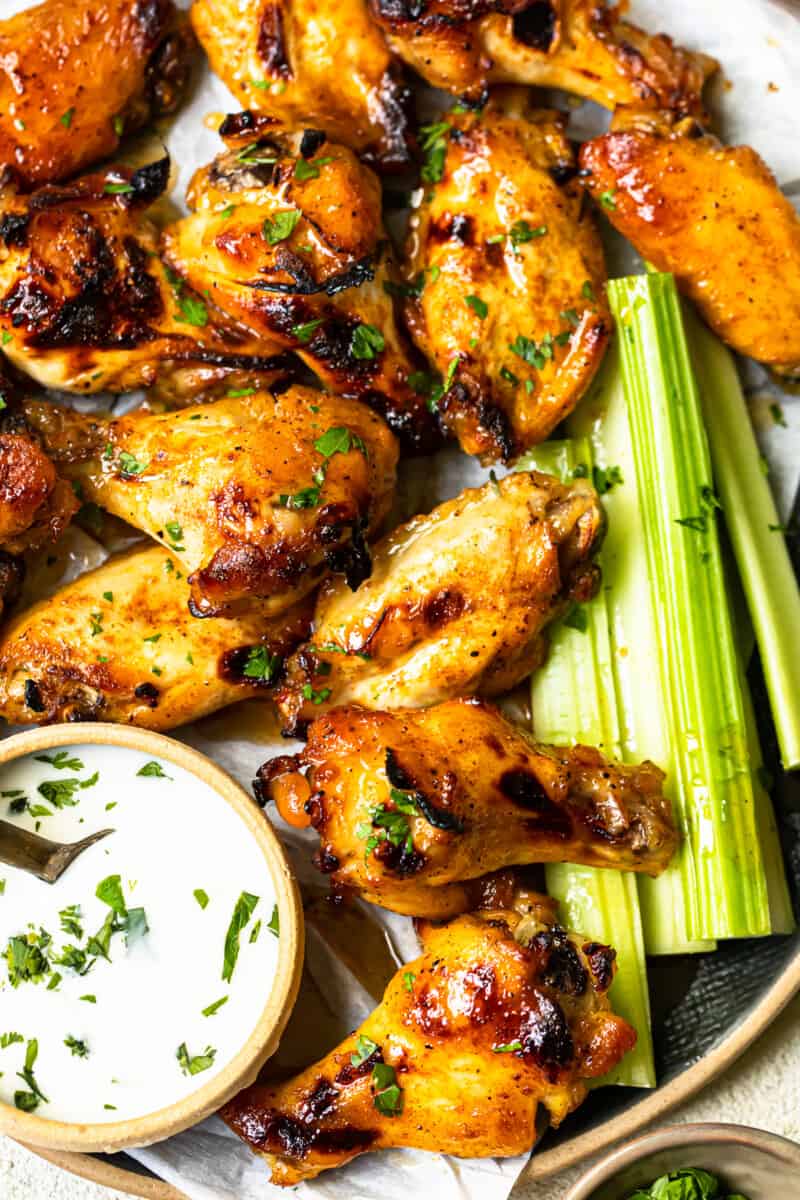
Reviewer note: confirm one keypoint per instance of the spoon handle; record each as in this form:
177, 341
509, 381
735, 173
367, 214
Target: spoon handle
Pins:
26, 850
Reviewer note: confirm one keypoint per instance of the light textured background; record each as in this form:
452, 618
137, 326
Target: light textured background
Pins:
763, 1089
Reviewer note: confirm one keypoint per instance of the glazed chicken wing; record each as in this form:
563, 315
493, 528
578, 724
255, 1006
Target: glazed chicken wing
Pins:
410, 806
255, 494
293, 246
467, 1042
582, 46
511, 307
714, 216
305, 63
456, 602
76, 75
119, 644
86, 304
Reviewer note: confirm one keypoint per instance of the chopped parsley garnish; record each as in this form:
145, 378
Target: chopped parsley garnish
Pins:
252, 154
433, 143
66, 118
261, 664
10, 1039
366, 342
507, 1047
28, 1101
193, 310
237, 393
536, 354
228, 211
365, 1048
95, 623
243, 911
776, 412
61, 792
130, 465
708, 502
274, 923
61, 761
76, 1046
153, 770
305, 498
587, 291
135, 925
201, 897
304, 333
89, 998
478, 306
605, 478
387, 1095
386, 824
215, 1007
509, 376
316, 697
254, 933
280, 227
109, 890
688, 1183
408, 980
338, 440
175, 535
70, 920
607, 200
521, 232
310, 170
193, 1065
117, 189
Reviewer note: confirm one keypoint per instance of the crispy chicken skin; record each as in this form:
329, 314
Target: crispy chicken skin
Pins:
291, 243
456, 603
582, 46
119, 644
87, 305
411, 805
76, 75
311, 64
514, 291
715, 217
469, 1039
255, 495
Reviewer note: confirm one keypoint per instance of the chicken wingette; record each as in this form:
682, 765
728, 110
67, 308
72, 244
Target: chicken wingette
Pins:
290, 242
77, 75
119, 644
581, 46
713, 216
256, 495
411, 806
469, 1039
87, 305
456, 603
510, 297
309, 64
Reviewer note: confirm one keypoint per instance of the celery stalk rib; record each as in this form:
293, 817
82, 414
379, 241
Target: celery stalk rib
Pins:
751, 518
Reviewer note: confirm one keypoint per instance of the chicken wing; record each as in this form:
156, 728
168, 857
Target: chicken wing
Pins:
76, 75
292, 245
410, 806
582, 46
306, 63
456, 602
119, 644
86, 304
467, 1042
256, 495
714, 216
510, 304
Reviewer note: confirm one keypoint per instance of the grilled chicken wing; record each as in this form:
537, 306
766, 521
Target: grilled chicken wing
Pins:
119, 644
512, 310
412, 805
292, 245
467, 1042
86, 304
456, 602
305, 63
255, 495
582, 46
75, 75
715, 217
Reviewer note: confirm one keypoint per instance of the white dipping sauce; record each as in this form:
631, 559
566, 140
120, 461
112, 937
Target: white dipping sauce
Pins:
172, 836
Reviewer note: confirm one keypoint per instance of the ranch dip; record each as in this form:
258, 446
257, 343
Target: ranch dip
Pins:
141, 973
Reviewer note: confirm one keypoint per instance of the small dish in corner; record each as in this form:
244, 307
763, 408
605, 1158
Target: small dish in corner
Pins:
151, 982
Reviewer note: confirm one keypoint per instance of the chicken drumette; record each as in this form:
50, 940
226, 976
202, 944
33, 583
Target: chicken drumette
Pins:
712, 215
119, 644
467, 1042
410, 806
76, 75
509, 301
86, 304
582, 46
456, 603
291, 243
307, 63
255, 494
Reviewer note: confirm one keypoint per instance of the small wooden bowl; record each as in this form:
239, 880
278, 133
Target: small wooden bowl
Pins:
244, 1067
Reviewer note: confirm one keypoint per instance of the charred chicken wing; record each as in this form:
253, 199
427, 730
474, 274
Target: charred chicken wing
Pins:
714, 216
255, 494
456, 602
86, 304
411, 805
76, 75
293, 246
510, 302
119, 644
467, 1042
582, 46
305, 63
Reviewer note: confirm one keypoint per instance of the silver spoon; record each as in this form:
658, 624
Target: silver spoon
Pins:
39, 856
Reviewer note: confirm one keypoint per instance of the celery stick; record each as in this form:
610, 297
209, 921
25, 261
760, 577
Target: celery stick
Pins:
695, 671
752, 521
573, 700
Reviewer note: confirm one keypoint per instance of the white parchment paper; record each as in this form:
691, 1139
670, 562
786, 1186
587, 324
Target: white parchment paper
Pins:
756, 100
